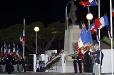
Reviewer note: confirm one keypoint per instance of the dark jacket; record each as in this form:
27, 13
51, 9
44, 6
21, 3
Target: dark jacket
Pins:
97, 56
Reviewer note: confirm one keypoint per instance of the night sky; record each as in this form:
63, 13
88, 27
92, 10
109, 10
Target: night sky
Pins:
13, 11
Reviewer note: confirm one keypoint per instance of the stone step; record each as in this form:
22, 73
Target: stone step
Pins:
49, 73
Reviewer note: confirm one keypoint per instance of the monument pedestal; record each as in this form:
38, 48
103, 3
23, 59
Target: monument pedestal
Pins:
72, 35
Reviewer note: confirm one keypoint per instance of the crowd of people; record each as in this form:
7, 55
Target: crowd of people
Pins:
10, 58
87, 58
12, 63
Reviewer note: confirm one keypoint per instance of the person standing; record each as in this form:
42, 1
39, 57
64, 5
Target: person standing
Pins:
88, 65
9, 64
78, 59
97, 57
23, 64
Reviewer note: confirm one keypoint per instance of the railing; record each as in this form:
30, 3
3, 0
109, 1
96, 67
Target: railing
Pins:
54, 60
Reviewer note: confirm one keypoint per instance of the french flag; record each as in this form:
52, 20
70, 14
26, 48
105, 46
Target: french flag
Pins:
104, 21
86, 3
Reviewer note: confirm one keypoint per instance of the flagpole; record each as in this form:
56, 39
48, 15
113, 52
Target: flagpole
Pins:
111, 35
99, 36
24, 38
99, 17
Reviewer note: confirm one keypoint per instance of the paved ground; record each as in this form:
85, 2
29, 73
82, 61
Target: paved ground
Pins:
49, 73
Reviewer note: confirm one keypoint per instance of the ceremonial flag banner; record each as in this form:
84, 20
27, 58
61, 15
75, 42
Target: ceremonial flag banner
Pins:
85, 36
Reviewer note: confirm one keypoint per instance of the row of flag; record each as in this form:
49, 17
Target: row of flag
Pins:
86, 34
10, 48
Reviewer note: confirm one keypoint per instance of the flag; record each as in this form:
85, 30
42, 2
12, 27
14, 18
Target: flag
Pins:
92, 28
85, 36
97, 23
89, 37
92, 3
106, 20
80, 43
113, 14
102, 22
22, 37
88, 3
14, 49
84, 3
5, 50
1, 51
9, 50
17, 50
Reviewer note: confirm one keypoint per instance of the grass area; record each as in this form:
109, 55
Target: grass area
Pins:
107, 41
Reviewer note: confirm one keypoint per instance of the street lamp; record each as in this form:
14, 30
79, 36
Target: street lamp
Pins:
36, 29
89, 17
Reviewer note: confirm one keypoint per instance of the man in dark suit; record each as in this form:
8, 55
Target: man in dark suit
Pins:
9, 65
88, 66
97, 57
